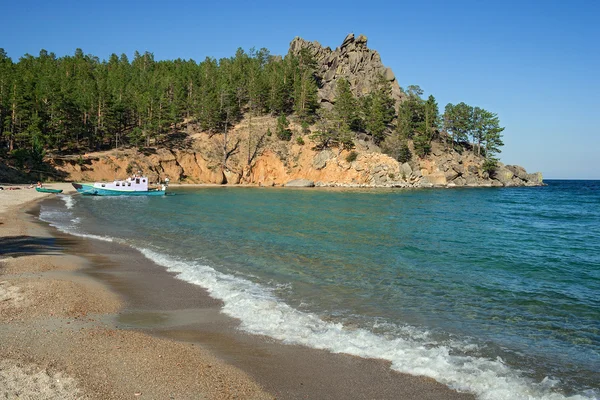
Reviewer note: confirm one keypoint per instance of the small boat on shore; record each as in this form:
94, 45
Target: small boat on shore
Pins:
134, 186
48, 190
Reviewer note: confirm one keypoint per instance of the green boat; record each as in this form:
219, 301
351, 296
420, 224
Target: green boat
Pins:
48, 190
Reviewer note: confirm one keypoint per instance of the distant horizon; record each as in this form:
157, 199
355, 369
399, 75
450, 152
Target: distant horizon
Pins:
528, 62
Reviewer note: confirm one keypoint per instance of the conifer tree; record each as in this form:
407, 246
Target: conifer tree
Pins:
379, 109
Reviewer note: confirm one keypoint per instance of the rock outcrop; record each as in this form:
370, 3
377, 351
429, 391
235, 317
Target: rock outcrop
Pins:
353, 61
300, 183
288, 164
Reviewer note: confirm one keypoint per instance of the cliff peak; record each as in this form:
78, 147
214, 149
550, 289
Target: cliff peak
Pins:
353, 61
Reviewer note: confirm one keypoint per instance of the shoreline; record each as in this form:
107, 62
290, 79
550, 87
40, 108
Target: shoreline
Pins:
147, 320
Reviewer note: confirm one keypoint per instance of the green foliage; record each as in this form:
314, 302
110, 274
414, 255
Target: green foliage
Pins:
422, 146
404, 154
378, 109
490, 165
427, 128
77, 102
345, 107
37, 153
305, 87
20, 157
300, 141
352, 156
458, 120
305, 127
136, 136
332, 131
283, 131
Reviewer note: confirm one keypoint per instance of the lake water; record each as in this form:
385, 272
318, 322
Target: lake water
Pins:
495, 291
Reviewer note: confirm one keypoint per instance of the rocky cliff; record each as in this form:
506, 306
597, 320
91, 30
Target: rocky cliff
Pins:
279, 162
353, 61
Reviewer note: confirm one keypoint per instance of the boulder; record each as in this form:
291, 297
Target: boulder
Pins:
503, 175
460, 181
320, 160
518, 171
406, 170
361, 40
232, 178
437, 179
349, 39
471, 181
535, 178
425, 183
451, 174
458, 168
217, 176
473, 169
300, 183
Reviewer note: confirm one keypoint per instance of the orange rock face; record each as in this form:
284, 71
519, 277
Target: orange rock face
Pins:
254, 157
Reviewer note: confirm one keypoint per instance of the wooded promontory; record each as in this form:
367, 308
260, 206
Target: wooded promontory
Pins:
334, 117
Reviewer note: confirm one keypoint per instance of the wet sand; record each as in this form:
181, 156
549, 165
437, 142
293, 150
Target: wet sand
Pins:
93, 319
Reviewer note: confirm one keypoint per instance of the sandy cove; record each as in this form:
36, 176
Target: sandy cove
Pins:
62, 314
57, 342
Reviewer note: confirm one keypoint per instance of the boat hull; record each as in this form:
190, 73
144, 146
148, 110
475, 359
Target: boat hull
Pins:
90, 190
47, 190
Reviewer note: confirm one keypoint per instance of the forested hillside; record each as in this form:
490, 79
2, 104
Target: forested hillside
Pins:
76, 104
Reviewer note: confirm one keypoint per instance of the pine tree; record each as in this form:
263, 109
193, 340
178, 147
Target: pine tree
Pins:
427, 128
379, 109
345, 107
458, 120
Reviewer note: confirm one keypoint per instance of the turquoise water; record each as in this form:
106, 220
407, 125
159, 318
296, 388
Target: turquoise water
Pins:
494, 291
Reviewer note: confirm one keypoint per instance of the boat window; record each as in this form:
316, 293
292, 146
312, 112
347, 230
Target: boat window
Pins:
128, 183
118, 183
103, 185
137, 180
143, 180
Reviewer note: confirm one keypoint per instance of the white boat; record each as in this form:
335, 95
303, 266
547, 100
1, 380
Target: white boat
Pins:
134, 186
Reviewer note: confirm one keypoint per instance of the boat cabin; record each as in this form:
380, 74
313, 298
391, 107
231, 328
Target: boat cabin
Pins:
133, 184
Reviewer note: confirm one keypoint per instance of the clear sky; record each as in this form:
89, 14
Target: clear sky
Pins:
535, 63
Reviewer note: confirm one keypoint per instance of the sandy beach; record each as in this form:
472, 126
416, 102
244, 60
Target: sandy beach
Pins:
93, 320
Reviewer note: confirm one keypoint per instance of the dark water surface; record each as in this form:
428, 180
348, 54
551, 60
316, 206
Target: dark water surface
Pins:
495, 291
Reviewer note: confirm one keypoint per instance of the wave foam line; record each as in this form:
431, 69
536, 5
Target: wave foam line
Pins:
262, 313
68, 199
50, 218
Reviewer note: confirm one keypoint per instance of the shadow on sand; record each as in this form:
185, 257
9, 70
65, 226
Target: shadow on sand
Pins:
18, 246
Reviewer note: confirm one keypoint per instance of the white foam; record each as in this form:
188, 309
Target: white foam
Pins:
64, 222
69, 200
260, 312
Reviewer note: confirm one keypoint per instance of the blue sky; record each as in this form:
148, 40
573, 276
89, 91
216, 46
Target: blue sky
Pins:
535, 63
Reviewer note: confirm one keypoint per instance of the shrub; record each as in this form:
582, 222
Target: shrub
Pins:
305, 127
300, 141
490, 165
352, 156
283, 132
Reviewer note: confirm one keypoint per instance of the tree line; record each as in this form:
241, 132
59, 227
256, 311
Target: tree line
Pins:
78, 102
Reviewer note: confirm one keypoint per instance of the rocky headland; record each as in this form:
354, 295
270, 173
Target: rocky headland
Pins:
255, 156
